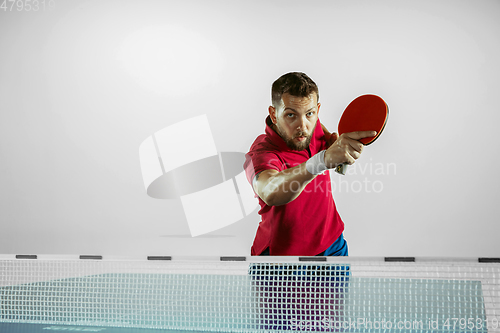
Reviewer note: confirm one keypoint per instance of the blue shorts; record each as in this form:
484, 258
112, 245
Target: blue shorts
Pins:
338, 248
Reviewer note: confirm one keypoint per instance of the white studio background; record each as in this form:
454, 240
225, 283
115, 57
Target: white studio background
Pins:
83, 83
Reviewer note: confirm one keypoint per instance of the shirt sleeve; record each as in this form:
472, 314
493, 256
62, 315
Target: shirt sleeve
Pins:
258, 161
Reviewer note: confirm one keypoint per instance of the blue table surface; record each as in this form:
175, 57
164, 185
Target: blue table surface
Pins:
47, 328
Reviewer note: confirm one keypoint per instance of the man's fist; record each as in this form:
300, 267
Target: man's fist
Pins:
345, 148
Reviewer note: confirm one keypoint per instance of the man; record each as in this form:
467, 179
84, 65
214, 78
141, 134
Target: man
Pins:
288, 169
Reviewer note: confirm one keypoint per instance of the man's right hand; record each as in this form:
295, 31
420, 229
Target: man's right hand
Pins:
346, 149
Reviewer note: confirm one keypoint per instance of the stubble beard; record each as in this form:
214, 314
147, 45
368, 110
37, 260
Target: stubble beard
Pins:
289, 140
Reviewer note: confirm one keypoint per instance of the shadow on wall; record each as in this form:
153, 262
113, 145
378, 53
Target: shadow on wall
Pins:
211, 185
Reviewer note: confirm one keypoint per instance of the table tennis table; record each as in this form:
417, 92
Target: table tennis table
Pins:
250, 294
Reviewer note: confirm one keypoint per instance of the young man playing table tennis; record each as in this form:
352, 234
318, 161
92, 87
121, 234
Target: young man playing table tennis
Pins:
288, 169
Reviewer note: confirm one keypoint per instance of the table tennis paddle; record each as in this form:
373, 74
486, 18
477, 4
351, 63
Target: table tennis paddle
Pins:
365, 113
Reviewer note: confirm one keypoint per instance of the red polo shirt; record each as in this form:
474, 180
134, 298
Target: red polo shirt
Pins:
307, 225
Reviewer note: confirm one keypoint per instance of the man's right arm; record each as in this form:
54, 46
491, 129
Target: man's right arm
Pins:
277, 188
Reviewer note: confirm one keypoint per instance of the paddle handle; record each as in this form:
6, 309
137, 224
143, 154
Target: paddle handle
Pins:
341, 168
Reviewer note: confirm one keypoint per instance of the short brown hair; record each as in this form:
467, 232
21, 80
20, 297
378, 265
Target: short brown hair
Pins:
294, 83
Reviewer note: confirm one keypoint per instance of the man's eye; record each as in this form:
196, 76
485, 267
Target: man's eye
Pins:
290, 115
310, 114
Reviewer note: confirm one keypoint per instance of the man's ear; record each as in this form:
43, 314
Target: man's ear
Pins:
272, 114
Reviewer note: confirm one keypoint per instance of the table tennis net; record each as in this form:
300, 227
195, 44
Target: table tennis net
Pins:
348, 295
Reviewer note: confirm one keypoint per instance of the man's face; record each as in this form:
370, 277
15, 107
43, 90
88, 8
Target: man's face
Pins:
295, 119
